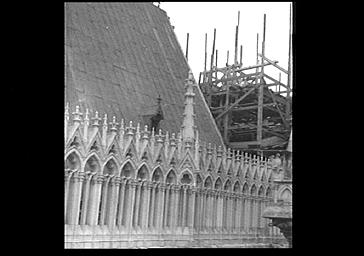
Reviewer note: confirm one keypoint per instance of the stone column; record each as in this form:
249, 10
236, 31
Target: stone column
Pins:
85, 200
96, 200
131, 204
203, 209
208, 210
184, 206
152, 206
218, 211
104, 190
212, 195
247, 213
114, 201
157, 206
176, 203
149, 188
254, 213
165, 219
197, 209
236, 212
77, 197
226, 210
193, 198
67, 176
161, 207
121, 202
230, 211
215, 208
137, 203
242, 215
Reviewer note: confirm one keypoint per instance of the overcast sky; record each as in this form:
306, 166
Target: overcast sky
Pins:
198, 18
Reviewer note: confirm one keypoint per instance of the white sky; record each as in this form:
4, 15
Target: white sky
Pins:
198, 18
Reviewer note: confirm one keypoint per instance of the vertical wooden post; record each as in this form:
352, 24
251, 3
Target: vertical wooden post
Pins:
204, 69
188, 37
211, 65
226, 117
241, 55
236, 46
289, 63
227, 58
213, 50
260, 95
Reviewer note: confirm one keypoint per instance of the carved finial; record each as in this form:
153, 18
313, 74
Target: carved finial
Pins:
145, 128
85, 125
173, 136
130, 124
152, 131
114, 124
122, 124
138, 128
188, 126
160, 132
96, 119
77, 114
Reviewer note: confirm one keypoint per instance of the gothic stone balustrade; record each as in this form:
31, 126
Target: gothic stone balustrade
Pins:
134, 187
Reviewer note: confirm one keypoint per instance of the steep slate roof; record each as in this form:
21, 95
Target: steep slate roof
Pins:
120, 56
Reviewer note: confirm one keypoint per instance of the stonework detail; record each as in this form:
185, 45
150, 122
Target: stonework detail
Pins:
134, 187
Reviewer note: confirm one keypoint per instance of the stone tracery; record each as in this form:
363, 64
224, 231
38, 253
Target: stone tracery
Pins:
139, 180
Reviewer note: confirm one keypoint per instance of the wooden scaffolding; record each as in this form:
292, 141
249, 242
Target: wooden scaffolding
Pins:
252, 110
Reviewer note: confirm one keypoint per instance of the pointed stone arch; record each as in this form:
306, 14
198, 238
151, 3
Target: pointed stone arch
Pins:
92, 164
285, 194
110, 167
268, 192
236, 187
143, 172
73, 160
245, 189
253, 190
218, 183
157, 175
171, 177
95, 160
208, 182
227, 185
199, 181
261, 190
128, 170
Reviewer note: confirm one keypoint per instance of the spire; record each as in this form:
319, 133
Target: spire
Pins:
188, 126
